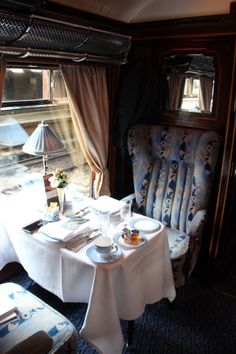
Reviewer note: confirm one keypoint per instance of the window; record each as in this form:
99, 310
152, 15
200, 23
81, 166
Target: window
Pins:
22, 85
194, 90
33, 95
191, 96
187, 83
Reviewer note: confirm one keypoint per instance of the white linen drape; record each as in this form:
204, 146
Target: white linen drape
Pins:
88, 96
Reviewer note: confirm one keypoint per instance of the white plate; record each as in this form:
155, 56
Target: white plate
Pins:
48, 238
55, 240
121, 242
144, 224
96, 257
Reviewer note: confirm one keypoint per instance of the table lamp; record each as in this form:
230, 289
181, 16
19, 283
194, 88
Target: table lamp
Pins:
43, 142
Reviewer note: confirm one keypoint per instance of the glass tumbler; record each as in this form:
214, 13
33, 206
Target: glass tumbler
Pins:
125, 212
104, 221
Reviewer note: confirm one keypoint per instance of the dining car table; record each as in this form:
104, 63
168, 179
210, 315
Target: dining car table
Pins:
118, 288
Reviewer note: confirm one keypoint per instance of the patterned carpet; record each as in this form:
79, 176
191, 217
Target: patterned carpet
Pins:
203, 320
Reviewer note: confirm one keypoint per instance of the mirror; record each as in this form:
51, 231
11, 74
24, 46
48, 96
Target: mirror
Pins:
188, 82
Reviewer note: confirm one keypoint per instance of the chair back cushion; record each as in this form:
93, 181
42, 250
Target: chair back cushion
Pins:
173, 169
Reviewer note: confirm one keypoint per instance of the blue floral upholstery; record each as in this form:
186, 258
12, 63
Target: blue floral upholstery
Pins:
173, 170
34, 315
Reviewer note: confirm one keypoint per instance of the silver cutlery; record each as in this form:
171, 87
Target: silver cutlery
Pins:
83, 240
78, 213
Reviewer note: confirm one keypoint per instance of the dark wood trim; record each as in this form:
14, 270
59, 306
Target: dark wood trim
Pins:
189, 27
204, 28
218, 236
232, 10
113, 87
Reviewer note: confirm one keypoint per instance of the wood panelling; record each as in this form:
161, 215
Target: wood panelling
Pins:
224, 231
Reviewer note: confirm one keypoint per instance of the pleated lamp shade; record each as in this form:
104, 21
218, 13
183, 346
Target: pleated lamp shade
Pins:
43, 142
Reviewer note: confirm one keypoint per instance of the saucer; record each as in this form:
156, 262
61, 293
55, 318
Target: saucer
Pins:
97, 257
121, 242
144, 224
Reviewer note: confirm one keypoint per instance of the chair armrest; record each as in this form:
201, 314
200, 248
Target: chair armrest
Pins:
128, 197
196, 225
131, 197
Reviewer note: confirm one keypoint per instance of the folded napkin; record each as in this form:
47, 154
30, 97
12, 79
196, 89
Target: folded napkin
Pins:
65, 230
106, 203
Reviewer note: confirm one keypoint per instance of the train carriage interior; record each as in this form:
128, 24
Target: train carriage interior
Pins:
141, 96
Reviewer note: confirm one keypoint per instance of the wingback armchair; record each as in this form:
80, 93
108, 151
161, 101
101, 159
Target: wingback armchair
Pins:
173, 170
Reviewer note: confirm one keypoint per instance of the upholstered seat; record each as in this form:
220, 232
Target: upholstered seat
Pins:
38, 328
173, 171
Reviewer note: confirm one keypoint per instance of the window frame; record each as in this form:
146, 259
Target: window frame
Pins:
29, 103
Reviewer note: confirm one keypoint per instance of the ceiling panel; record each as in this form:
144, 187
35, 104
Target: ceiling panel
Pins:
149, 10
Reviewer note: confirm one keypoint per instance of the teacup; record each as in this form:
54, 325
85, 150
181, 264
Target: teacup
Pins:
104, 245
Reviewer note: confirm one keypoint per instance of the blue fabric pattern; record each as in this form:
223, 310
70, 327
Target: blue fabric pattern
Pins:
169, 193
151, 196
179, 191
186, 197
160, 190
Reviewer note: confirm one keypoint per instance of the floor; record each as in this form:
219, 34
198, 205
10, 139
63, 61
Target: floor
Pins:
203, 319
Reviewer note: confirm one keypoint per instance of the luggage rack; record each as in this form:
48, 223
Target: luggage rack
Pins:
37, 36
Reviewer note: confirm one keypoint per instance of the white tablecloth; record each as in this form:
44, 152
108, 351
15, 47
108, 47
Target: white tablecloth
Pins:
114, 291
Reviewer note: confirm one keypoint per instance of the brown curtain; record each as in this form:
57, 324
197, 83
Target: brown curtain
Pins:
206, 85
87, 92
176, 89
2, 78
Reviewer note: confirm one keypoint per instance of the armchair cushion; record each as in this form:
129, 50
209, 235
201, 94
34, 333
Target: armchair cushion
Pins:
178, 243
